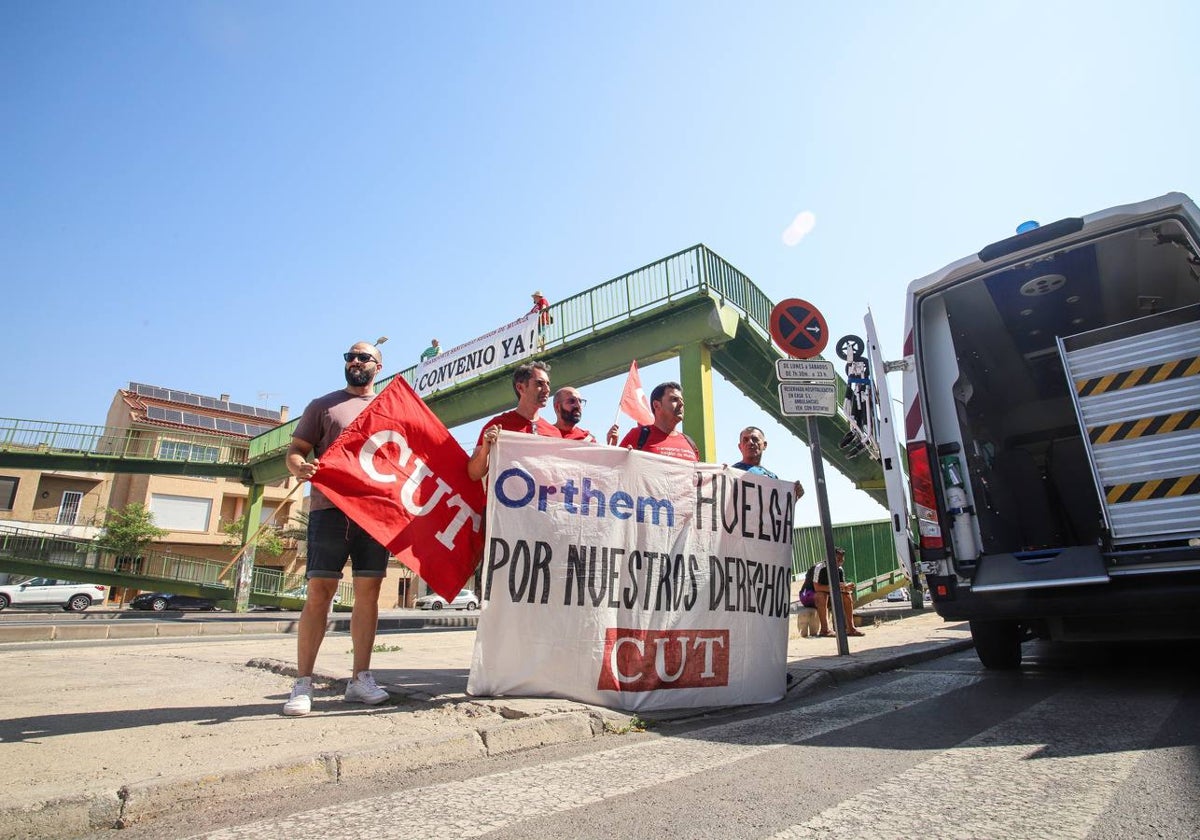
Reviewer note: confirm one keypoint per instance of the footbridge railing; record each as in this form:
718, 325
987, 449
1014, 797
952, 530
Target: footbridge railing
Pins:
37, 553
47, 444
691, 272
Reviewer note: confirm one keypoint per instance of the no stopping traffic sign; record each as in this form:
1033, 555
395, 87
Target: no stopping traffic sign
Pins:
798, 328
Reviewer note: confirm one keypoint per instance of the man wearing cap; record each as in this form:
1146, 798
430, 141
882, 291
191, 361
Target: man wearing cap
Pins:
821, 585
540, 304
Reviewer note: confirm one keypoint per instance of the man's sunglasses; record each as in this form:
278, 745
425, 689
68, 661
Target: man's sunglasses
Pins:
362, 357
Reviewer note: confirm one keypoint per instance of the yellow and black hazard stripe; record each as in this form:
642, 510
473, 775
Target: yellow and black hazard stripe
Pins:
1138, 376
1159, 488
1159, 424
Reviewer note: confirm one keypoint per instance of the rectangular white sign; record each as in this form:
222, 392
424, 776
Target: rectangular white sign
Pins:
502, 346
631, 580
800, 399
804, 369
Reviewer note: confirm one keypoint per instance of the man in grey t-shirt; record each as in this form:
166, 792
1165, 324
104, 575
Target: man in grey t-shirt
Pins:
333, 538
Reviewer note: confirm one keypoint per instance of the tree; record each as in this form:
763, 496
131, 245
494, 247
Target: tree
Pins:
129, 531
268, 539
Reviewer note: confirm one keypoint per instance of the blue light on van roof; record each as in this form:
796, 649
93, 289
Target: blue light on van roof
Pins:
1025, 227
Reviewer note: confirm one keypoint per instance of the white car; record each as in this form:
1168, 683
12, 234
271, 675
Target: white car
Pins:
464, 600
72, 597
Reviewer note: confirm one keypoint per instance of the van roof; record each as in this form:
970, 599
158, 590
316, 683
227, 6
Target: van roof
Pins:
1092, 225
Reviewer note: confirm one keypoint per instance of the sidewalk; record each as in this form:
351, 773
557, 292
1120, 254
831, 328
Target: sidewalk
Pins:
102, 735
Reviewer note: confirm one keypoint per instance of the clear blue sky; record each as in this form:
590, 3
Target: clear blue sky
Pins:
221, 196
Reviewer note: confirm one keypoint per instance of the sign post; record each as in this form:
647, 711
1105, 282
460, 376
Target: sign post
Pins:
809, 389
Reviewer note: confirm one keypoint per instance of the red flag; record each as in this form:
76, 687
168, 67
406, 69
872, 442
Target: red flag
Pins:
633, 398
399, 474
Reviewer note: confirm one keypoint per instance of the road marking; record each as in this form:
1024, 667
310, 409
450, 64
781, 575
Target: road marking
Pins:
1048, 772
507, 798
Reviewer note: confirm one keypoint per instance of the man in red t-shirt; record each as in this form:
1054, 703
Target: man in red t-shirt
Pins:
531, 382
568, 408
666, 401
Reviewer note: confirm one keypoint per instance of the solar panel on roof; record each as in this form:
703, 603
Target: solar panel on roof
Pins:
188, 398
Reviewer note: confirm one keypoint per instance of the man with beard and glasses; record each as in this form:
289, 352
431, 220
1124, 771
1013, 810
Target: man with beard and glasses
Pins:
333, 537
531, 383
568, 408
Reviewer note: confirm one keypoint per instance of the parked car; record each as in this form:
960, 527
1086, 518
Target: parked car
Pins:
159, 601
897, 595
72, 597
464, 600
300, 592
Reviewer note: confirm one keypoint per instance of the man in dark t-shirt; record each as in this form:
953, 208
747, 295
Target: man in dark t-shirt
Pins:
333, 538
823, 594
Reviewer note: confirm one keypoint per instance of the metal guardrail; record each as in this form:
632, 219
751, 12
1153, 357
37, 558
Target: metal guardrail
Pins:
47, 436
693, 271
81, 557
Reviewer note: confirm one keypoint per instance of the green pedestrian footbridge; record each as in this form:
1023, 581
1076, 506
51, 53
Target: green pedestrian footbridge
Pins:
692, 305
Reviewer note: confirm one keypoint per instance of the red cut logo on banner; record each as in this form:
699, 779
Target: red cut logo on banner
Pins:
633, 398
651, 660
398, 472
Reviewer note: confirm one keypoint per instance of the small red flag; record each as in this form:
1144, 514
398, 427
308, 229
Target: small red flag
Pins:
633, 398
398, 472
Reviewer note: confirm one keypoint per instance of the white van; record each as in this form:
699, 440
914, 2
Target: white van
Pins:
1052, 419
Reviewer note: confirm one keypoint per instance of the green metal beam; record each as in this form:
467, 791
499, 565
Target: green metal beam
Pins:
18, 459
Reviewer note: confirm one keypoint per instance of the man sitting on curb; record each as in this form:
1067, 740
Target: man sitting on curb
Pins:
823, 594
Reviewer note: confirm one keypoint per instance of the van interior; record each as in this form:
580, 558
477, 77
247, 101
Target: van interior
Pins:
1031, 480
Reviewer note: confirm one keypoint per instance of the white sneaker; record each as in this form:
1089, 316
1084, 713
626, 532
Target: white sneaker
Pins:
300, 703
363, 689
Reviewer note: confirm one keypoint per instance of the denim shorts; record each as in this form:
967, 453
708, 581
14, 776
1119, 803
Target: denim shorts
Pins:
332, 538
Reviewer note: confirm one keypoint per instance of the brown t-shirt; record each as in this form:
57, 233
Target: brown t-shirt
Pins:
322, 421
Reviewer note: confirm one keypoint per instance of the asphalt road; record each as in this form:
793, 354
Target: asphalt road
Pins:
1083, 742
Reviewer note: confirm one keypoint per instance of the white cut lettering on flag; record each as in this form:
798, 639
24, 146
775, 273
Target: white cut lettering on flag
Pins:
633, 399
631, 580
400, 474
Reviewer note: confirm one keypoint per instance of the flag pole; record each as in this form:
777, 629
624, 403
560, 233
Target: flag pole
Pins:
261, 527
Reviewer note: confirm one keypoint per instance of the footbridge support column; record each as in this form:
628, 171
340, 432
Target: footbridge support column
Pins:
243, 573
695, 375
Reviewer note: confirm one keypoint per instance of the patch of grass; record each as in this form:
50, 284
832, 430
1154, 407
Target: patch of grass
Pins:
634, 724
380, 648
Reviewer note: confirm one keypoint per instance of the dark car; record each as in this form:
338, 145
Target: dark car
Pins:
159, 601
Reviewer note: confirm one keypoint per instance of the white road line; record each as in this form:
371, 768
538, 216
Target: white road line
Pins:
1047, 772
503, 799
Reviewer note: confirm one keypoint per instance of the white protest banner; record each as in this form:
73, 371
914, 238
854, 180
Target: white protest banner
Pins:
498, 348
630, 580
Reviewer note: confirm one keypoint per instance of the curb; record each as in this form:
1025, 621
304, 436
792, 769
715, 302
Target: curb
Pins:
812, 679
92, 631
137, 801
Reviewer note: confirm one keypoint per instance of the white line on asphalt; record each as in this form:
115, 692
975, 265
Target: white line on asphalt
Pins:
503, 799
1047, 772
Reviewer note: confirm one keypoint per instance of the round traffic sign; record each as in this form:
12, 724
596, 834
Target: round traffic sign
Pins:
798, 328
850, 347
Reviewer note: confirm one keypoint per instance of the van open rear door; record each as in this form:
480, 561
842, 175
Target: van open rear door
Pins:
1137, 395
889, 454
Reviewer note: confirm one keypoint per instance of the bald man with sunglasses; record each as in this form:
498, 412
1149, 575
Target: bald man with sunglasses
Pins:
333, 538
